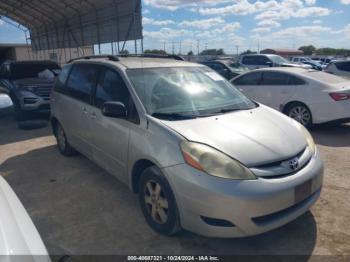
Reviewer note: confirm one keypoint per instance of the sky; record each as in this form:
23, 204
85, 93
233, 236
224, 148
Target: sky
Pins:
235, 25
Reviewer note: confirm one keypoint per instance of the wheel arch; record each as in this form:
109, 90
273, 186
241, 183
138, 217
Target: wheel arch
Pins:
138, 167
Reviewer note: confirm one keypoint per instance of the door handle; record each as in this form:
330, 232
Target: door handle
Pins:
93, 115
85, 112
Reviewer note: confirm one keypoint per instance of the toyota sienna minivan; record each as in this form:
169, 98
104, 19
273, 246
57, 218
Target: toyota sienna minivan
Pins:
200, 155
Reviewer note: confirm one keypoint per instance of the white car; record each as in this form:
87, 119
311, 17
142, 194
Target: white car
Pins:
308, 96
257, 61
340, 68
19, 239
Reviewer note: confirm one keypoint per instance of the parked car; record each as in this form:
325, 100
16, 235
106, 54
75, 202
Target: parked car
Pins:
315, 65
262, 61
226, 68
340, 68
19, 237
300, 59
27, 86
308, 96
200, 154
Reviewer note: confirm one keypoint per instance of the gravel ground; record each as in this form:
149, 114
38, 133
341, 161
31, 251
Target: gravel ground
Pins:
80, 209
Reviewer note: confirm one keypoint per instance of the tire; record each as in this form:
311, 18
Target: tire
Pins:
62, 143
20, 115
159, 209
301, 113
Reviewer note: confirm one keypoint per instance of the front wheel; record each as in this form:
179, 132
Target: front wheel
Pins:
158, 203
300, 113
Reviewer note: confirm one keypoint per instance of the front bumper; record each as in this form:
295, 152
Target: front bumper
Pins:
29, 101
251, 206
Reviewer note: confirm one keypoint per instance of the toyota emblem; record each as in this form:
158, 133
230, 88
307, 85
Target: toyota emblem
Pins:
294, 163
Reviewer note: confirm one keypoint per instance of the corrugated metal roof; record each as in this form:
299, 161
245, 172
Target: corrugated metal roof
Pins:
74, 23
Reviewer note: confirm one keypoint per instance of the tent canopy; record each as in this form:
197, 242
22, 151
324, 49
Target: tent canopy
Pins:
56, 24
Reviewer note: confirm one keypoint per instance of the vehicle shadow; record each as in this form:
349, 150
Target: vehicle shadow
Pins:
12, 131
332, 135
79, 208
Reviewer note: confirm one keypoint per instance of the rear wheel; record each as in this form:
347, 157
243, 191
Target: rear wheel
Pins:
63, 146
300, 113
158, 203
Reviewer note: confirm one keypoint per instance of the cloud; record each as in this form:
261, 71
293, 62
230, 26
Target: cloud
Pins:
289, 13
173, 5
268, 23
151, 21
300, 31
166, 33
261, 30
345, 2
310, 2
203, 23
316, 22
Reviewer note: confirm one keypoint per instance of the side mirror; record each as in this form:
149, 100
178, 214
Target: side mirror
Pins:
114, 109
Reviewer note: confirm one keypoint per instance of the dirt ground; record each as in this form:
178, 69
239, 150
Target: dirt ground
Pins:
80, 209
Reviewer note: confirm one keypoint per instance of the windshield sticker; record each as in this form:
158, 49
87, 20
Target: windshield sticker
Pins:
214, 76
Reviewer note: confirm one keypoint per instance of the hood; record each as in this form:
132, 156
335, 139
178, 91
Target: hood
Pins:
35, 81
255, 137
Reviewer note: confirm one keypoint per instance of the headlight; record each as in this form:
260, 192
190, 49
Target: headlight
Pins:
309, 139
26, 88
213, 162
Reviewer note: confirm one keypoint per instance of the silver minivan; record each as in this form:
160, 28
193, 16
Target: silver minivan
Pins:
200, 155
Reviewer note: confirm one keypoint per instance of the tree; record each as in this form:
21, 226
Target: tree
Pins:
248, 52
155, 51
213, 52
124, 52
190, 53
308, 50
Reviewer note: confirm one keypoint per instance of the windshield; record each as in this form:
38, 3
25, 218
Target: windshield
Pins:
186, 91
31, 70
276, 59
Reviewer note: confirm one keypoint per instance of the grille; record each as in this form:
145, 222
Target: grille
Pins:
280, 169
43, 91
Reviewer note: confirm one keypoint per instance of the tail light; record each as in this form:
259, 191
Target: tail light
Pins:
340, 96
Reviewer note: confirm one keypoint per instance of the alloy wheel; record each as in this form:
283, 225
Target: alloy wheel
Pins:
156, 202
300, 114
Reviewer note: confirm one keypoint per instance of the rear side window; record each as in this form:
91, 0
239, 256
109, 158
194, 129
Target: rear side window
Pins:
274, 78
343, 66
250, 60
81, 81
248, 79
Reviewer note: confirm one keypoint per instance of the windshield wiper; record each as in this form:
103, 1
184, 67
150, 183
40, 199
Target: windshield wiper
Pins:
227, 110
175, 116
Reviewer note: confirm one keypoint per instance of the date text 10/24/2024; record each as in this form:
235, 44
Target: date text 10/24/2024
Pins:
173, 258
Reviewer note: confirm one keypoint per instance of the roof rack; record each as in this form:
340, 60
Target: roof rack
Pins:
175, 57
116, 57
109, 57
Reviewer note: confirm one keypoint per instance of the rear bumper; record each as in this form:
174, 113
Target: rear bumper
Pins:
251, 207
331, 111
